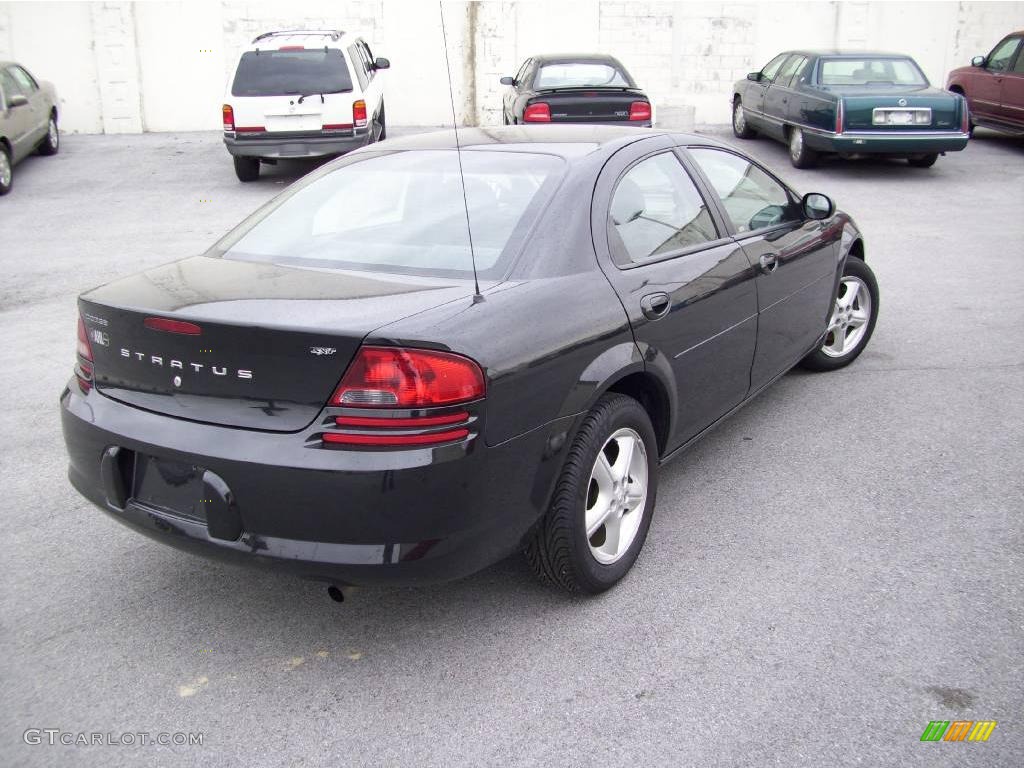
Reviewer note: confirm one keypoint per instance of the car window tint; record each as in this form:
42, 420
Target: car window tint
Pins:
282, 73
999, 59
751, 198
786, 73
357, 61
768, 73
402, 212
881, 71
581, 75
24, 80
656, 209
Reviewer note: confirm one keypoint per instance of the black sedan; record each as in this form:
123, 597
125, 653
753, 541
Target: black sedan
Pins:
575, 88
349, 387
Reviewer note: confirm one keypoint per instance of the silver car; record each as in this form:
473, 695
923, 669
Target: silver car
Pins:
28, 119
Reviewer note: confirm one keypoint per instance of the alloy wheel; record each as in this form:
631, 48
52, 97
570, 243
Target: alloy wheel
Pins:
796, 143
5, 169
850, 316
616, 496
739, 120
52, 135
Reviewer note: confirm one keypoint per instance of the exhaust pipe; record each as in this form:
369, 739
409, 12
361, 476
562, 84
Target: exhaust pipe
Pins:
336, 594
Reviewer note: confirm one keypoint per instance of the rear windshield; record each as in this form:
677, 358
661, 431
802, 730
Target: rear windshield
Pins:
871, 71
578, 74
281, 73
403, 212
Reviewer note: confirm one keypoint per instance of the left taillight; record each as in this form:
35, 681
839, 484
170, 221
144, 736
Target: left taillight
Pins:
359, 113
229, 117
84, 366
965, 116
537, 113
640, 110
839, 117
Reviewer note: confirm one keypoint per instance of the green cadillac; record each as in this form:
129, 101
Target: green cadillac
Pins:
850, 104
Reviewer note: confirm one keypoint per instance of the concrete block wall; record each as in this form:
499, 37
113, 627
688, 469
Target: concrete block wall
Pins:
163, 66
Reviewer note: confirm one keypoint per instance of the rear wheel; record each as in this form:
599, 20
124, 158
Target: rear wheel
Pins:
852, 322
51, 144
739, 122
6, 170
601, 510
247, 168
800, 155
383, 124
923, 161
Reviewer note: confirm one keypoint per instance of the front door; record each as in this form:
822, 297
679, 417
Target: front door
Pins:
797, 265
1011, 99
988, 83
687, 287
755, 95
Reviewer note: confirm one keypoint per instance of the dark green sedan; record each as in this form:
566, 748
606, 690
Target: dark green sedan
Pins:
850, 104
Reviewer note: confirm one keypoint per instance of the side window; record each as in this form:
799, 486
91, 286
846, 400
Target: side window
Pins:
24, 80
368, 58
772, 67
9, 85
794, 65
523, 72
1000, 58
655, 210
752, 199
1019, 66
358, 66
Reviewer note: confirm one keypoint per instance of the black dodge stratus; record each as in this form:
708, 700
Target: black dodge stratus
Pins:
325, 390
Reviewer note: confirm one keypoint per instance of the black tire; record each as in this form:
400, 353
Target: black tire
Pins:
559, 551
6, 163
800, 155
740, 129
819, 360
51, 144
925, 161
381, 121
247, 168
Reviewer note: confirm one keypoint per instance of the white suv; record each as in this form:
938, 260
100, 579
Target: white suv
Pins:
302, 93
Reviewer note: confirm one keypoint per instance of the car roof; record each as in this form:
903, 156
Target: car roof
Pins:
567, 141
837, 53
562, 58
307, 38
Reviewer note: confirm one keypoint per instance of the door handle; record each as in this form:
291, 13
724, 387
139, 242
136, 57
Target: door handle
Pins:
769, 263
655, 305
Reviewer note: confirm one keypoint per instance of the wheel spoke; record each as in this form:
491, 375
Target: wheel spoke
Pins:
625, 458
613, 535
604, 474
850, 296
858, 318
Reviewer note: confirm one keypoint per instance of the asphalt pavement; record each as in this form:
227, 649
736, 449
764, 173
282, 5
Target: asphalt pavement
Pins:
836, 566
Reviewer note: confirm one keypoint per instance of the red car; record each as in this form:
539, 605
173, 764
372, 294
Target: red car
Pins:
994, 86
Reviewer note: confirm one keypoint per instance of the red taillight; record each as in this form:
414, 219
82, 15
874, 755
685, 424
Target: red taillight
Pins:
392, 377
229, 117
172, 326
640, 110
537, 113
839, 117
292, 48
83, 370
965, 116
359, 113
430, 438
414, 422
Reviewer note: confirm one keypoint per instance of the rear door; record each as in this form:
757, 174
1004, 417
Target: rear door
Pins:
1011, 99
687, 287
988, 85
796, 261
373, 93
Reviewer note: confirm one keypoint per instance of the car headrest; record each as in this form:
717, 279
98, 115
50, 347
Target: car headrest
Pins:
628, 202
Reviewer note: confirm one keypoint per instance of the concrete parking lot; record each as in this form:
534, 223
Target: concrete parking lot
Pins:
836, 566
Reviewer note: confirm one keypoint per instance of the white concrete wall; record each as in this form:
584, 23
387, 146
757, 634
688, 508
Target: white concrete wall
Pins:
162, 66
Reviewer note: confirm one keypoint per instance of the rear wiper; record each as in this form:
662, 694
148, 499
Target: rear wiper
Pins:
306, 95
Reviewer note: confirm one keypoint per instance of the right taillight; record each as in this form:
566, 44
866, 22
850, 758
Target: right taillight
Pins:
229, 117
359, 113
839, 117
640, 110
537, 113
83, 369
965, 116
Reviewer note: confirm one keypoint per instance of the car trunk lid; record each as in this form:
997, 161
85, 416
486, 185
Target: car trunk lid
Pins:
874, 109
589, 105
241, 344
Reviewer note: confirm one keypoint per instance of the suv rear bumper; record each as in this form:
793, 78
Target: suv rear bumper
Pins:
345, 516
285, 146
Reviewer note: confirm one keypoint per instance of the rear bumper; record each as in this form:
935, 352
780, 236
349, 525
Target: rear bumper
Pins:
346, 516
274, 146
887, 143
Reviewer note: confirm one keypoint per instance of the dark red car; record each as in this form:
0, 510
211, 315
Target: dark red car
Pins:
994, 86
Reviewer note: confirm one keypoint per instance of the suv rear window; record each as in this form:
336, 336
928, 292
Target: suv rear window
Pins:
282, 73
402, 212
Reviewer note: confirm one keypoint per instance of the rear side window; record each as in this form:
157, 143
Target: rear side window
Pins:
284, 73
357, 61
656, 210
751, 198
403, 212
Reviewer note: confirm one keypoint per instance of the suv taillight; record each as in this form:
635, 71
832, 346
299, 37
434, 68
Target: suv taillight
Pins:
83, 369
229, 117
640, 110
359, 113
388, 378
537, 113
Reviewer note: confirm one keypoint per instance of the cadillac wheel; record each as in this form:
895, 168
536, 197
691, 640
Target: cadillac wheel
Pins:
599, 517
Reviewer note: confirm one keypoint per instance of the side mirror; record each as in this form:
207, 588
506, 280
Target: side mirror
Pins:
978, 61
755, 76
507, 81
381, 63
817, 206
17, 100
